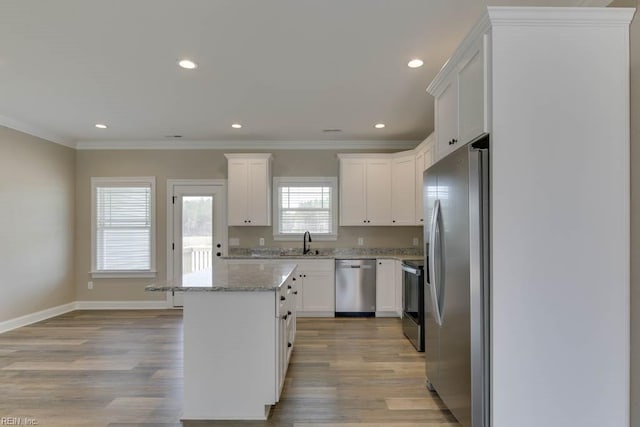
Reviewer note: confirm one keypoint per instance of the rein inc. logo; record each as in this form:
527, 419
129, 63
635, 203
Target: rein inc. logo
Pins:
18, 421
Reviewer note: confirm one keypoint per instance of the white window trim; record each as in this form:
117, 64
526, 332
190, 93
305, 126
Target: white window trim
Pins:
331, 181
106, 181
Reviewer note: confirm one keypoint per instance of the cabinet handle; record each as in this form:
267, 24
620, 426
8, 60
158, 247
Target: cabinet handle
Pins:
393, 220
294, 279
289, 313
295, 293
289, 345
282, 298
249, 221
218, 253
305, 275
218, 245
421, 220
288, 286
285, 317
365, 221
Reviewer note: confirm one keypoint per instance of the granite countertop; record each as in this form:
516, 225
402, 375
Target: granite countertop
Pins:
335, 253
231, 277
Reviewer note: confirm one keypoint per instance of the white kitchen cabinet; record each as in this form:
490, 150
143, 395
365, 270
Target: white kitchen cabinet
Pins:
424, 159
249, 189
386, 297
446, 110
471, 92
315, 281
403, 191
461, 101
365, 190
398, 283
378, 191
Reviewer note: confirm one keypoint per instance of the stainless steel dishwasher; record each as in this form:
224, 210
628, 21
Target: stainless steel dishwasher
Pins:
355, 287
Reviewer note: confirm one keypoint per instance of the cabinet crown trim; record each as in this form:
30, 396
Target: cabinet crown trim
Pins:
267, 156
560, 16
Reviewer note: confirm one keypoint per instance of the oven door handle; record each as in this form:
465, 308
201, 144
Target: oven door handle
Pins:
411, 270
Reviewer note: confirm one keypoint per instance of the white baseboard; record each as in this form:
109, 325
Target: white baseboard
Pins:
28, 319
122, 305
315, 314
387, 314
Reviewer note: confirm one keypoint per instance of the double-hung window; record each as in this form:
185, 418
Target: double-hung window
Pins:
305, 204
123, 227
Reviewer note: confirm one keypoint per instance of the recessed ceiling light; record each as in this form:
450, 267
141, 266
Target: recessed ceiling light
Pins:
101, 126
379, 125
236, 126
187, 64
415, 63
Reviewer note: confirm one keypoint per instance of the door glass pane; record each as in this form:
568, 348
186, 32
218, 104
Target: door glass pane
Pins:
197, 240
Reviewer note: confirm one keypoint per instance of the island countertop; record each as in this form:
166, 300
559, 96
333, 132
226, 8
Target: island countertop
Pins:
229, 277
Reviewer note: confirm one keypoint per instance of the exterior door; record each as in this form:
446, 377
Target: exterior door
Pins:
198, 231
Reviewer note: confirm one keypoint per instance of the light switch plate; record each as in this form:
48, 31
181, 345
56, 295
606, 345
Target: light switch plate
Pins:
360, 241
261, 241
234, 241
416, 242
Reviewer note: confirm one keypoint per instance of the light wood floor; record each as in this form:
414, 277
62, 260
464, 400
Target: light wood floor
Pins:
124, 368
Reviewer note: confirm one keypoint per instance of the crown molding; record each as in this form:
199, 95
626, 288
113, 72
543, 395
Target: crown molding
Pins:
246, 145
35, 131
594, 3
561, 16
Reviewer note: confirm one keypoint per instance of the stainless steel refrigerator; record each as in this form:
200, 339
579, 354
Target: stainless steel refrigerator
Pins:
456, 203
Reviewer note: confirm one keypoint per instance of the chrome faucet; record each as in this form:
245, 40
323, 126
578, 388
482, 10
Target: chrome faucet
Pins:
305, 245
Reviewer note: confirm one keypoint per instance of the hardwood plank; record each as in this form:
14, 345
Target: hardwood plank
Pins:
124, 368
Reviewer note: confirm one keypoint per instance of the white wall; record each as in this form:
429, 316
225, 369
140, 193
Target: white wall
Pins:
37, 187
561, 226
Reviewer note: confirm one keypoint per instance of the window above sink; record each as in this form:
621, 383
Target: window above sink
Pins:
305, 204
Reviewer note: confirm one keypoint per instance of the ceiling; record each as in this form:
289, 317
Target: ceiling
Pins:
285, 69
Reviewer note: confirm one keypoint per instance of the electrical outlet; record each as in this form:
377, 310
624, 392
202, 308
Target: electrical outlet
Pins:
416, 242
360, 241
89, 285
261, 241
234, 241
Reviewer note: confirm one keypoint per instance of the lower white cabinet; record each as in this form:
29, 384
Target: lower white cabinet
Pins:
386, 288
316, 287
398, 283
286, 329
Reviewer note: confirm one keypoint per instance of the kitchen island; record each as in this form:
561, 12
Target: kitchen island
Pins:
239, 328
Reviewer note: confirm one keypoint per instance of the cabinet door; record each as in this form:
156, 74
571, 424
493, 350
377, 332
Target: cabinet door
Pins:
385, 286
422, 165
403, 191
471, 87
397, 275
259, 192
318, 291
378, 183
352, 192
447, 119
237, 190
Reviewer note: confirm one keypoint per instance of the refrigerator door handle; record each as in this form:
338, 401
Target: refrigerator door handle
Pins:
434, 275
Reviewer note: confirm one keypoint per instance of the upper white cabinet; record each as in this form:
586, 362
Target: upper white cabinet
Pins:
424, 159
365, 190
249, 189
447, 118
403, 193
460, 100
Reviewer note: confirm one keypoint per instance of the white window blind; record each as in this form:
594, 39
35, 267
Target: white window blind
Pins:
123, 224
305, 204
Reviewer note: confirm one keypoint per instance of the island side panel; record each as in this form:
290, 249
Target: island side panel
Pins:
229, 355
